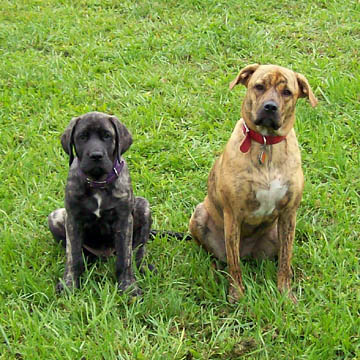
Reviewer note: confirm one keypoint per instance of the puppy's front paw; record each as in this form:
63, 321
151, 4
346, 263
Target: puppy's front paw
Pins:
66, 284
129, 286
149, 267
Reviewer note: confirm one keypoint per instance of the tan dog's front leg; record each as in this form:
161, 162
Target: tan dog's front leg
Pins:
232, 242
286, 234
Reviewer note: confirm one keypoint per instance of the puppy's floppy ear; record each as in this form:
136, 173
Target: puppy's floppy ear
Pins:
123, 138
305, 89
67, 140
244, 75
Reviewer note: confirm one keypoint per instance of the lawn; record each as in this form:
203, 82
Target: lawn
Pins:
163, 67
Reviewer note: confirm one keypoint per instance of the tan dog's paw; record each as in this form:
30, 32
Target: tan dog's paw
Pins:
292, 297
289, 294
284, 285
235, 293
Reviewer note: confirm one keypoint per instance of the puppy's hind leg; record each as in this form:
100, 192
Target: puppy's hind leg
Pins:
56, 222
141, 231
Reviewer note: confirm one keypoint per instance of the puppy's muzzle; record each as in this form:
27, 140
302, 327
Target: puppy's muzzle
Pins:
96, 163
96, 155
268, 116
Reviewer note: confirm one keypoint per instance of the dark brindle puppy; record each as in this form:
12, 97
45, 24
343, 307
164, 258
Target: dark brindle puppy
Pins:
101, 214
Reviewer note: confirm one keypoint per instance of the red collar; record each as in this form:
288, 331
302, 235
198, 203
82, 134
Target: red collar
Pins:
261, 139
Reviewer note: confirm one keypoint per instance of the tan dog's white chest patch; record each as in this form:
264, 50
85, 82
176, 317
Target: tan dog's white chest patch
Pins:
99, 200
269, 197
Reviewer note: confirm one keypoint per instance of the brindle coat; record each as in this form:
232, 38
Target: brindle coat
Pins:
250, 208
99, 221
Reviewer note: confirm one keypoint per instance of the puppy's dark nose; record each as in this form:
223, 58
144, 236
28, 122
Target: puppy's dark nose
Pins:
270, 106
96, 155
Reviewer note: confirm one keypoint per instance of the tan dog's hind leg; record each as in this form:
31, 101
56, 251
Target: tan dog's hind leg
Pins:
232, 241
286, 233
206, 233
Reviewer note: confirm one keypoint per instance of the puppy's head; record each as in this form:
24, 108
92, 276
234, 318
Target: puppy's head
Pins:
270, 100
97, 140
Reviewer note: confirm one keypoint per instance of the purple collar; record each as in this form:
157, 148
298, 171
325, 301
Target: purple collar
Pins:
112, 176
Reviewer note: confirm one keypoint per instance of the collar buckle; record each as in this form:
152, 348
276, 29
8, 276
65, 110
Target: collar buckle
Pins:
246, 128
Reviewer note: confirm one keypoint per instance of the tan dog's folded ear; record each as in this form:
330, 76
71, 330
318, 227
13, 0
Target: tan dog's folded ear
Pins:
305, 89
67, 138
244, 75
123, 136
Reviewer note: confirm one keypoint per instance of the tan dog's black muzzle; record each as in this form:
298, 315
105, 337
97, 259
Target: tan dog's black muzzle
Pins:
270, 106
268, 115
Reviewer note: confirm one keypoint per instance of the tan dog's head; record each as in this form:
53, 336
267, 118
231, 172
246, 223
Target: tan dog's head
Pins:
272, 92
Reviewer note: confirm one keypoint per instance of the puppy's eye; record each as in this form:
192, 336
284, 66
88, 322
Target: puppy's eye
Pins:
287, 92
106, 135
259, 87
83, 136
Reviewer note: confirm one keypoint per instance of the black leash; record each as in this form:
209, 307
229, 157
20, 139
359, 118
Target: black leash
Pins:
172, 234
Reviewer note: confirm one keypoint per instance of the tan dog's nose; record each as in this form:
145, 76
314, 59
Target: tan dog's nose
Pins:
270, 106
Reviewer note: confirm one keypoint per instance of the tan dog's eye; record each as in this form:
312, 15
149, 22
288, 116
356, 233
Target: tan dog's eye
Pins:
287, 92
259, 87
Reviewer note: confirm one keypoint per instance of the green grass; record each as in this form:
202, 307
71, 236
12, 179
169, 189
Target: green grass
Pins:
163, 67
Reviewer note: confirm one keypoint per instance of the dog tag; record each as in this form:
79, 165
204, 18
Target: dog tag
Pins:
262, 157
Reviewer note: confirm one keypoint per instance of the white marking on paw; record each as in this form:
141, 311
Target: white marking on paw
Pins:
269, 197
98, 199
58, 217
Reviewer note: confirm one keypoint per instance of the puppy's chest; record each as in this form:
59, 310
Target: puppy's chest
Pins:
98, 201
99, 204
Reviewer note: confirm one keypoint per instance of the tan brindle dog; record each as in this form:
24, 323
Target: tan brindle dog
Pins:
256, 185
